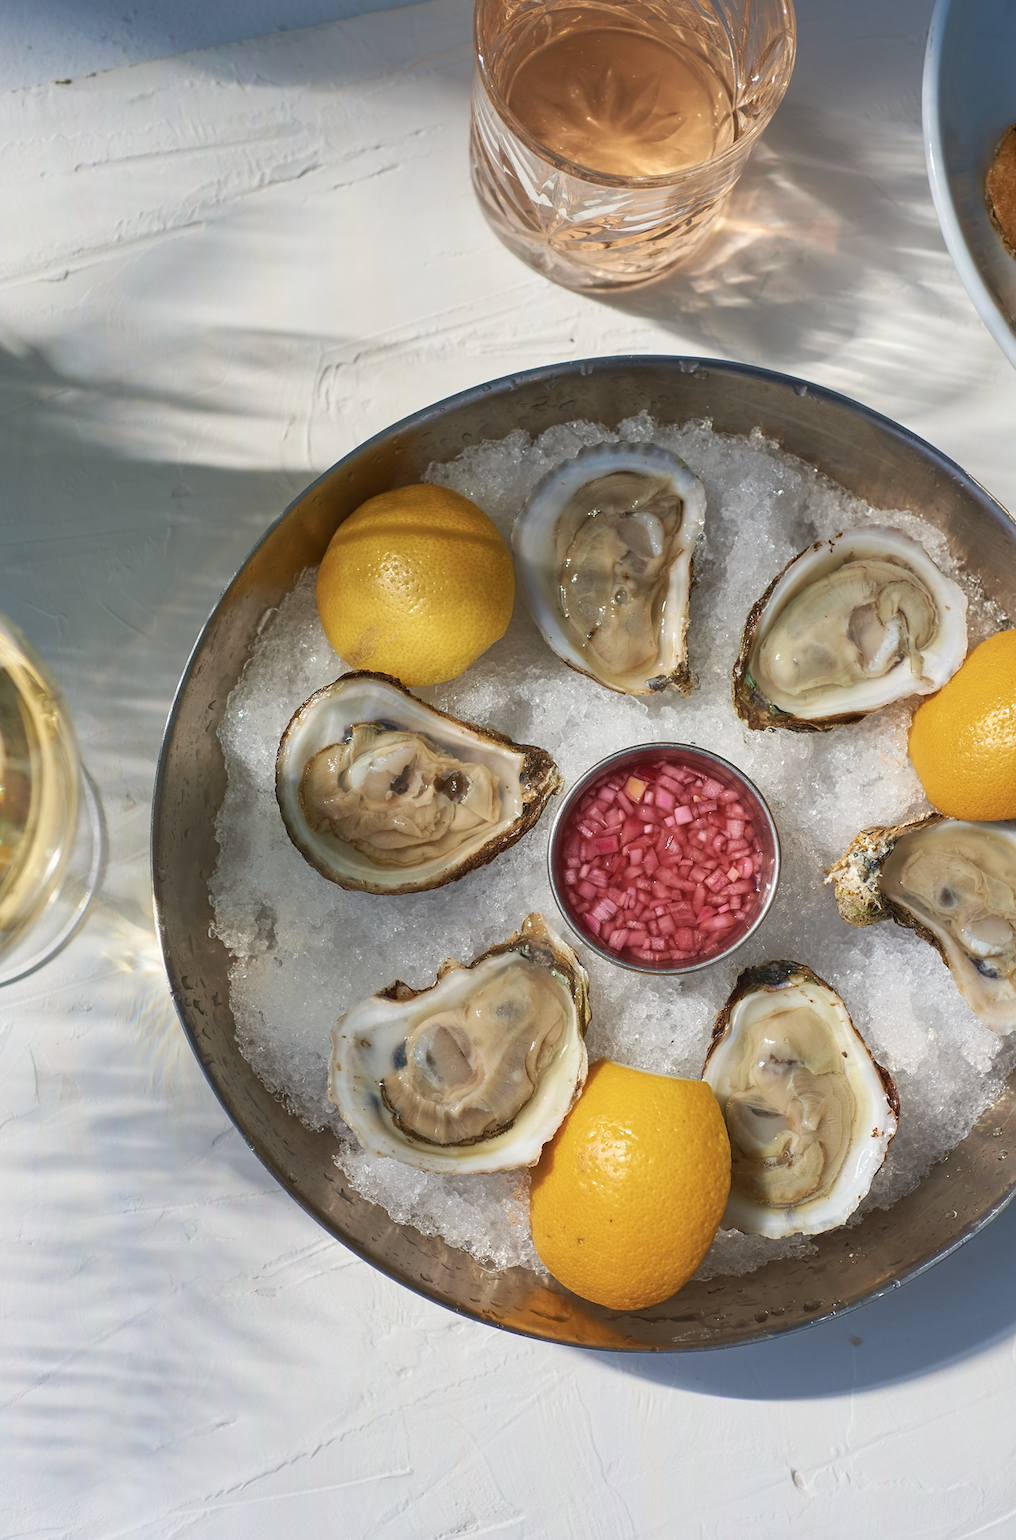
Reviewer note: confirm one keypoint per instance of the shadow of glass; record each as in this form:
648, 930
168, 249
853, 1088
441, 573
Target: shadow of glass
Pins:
828, 254
954, 1311
760, 288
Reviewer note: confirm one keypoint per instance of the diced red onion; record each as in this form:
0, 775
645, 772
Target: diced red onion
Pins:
626, 863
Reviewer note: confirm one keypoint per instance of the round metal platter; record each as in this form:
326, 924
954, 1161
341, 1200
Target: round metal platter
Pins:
869, 455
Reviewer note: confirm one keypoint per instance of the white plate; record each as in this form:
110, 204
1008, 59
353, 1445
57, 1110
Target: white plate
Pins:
969, 101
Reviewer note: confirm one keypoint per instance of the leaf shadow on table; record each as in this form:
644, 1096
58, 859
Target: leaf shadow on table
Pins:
164, 1248
140, 543
111, 579
110, 566
954, 1311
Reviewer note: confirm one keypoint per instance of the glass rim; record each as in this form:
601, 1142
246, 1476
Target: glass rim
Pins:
636, 752
728, 157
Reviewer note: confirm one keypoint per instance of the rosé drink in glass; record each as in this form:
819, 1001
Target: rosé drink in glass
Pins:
605, 138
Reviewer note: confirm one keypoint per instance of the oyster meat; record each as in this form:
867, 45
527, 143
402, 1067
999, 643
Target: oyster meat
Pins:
604, 550
809, 1113
385, 794
848, 626
954, 884
474, 1073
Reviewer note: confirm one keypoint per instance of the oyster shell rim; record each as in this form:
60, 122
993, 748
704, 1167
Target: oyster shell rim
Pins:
537, 768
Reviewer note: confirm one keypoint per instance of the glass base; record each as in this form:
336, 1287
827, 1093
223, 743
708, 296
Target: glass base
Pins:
65, 910
591, 239
593, 272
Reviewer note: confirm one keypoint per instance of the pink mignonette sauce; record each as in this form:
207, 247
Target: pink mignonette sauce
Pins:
665, 857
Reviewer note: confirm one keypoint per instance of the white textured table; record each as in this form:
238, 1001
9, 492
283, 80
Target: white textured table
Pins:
219, 273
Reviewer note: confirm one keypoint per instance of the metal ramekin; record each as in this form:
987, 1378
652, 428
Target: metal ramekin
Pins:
705, 763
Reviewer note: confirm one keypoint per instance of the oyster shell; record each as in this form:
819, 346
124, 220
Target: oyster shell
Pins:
954, 884
382, 793
848, 626
604, 551
476, 1072
809, 1113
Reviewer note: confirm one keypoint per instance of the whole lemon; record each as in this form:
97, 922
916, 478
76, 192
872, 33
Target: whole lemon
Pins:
629, 1193
417, 582
963, 739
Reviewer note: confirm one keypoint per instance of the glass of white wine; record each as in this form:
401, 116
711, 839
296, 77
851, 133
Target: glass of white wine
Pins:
50, 827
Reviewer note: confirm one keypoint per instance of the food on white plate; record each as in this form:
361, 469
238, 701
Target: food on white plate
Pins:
850, 625
1000, 189
384, 794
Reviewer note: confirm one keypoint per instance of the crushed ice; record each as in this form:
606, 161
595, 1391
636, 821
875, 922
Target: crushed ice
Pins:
306, 950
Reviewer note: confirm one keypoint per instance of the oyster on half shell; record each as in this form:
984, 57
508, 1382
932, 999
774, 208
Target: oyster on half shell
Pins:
382, 793
809, 1112
604, 550
475, 1073
954, 884
848, 626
